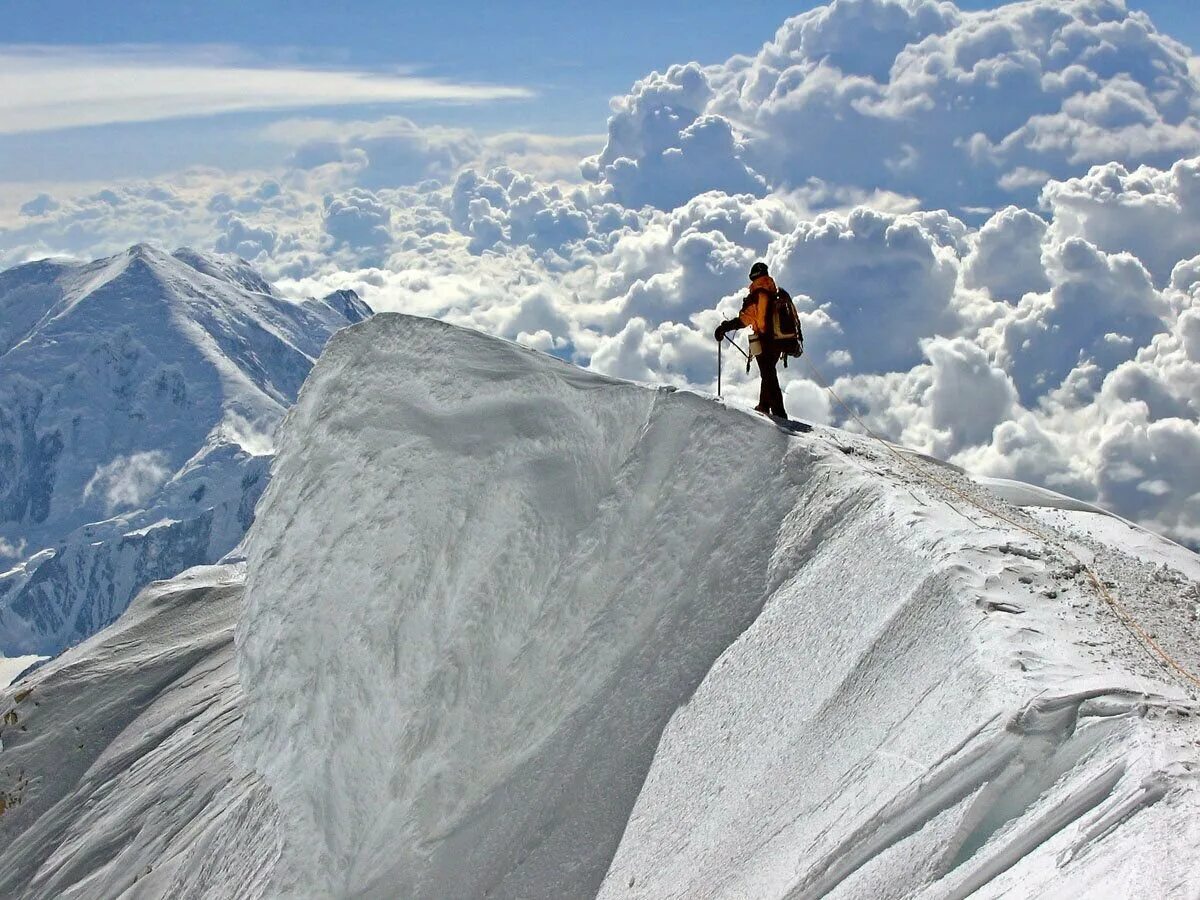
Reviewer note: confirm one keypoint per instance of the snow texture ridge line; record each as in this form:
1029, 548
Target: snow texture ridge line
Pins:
530, 517
1176, 669
1000, 776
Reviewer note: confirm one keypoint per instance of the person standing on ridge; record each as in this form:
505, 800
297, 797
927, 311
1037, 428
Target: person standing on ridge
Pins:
770, 314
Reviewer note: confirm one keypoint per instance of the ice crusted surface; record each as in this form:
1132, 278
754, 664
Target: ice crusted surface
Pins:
518, 630
138, 399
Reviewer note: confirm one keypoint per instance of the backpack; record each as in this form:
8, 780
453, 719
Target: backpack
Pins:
784, 325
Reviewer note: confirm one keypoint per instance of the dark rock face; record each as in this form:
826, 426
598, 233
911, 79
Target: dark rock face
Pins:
83, 587
28, 457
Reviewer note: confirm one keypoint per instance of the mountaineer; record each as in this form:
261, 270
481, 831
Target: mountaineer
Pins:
769, 312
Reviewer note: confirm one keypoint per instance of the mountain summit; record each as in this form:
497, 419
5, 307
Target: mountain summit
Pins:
534, 632
139, 395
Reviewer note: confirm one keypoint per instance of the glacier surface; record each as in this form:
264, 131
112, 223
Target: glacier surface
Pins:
506, 628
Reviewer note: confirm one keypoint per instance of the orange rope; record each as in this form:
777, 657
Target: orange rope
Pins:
1172, 665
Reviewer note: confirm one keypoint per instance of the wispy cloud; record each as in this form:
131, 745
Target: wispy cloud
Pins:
128, 481
52, 87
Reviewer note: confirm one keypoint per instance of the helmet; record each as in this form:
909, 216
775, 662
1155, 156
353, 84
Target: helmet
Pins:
758, 270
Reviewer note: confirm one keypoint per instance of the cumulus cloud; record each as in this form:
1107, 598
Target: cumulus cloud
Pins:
1100, 311
961, 109
102, 222
637, 350
662, 149
358, 219
1006, 255
9, 550
51, 87
244, 239
198, 207
966, 398
504, 206
127, 481
1153, 214
39, 205
887, 280
1148, 421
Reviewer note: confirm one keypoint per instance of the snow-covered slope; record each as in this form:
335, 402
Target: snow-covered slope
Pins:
512, 629
138, 399
510, 623
117, 775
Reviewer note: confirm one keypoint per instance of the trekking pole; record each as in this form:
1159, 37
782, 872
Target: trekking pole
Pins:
719, 345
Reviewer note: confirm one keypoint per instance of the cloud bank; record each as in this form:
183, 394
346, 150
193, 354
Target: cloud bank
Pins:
990, 223
959, 109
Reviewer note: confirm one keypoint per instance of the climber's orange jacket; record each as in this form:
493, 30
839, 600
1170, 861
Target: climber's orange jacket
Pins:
758, 303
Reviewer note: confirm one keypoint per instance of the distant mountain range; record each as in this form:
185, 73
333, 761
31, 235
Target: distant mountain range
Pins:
139, 397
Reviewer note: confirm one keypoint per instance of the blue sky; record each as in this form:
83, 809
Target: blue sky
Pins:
567, 60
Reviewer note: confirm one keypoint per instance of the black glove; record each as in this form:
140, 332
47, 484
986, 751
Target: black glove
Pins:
727, 326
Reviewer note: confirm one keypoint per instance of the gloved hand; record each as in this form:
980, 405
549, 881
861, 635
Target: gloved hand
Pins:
719, 334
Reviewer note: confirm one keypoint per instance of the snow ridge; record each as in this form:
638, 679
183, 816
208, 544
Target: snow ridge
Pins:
517, 630
506, 628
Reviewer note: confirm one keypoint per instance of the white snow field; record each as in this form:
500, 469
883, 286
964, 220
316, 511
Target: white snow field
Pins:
138, 399
514, 629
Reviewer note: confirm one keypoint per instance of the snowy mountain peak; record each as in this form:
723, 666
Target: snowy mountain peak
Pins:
126, 284
349, 304
135, 389
145, 251
232, 269
139, 261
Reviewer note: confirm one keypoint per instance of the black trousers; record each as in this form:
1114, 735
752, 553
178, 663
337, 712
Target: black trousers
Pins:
770, 397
